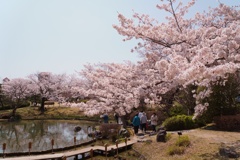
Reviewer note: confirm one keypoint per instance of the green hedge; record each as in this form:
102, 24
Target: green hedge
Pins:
179, 122
7, 107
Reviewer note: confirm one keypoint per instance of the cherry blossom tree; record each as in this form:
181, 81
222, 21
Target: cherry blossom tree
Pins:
111, 87
17, 90
49, 86
72, 91
184, 51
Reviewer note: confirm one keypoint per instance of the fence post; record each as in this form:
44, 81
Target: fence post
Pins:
75, 140
91, 154
29, 147
93, 136
106, 149
52, 142
4, 148
117, 147
126, 142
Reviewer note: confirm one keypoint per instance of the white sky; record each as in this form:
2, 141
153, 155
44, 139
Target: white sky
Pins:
60, 36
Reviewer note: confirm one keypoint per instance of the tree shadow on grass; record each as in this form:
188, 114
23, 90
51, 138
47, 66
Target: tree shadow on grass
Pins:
213, 127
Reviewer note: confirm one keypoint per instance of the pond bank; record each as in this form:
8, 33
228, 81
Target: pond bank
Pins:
43, 135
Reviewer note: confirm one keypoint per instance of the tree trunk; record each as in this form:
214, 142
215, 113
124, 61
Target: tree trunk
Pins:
124, 121
13, 115
2, 105
1, 102
42, 108
14, 111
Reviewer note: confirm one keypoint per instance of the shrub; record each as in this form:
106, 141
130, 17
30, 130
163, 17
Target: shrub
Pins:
18, 117
10, 106
228, 123
109, 130
168, 136
6, 108
177, 109
180, 146
201, 121
24, 104
183, 141
130, 131
179, 122
172, 150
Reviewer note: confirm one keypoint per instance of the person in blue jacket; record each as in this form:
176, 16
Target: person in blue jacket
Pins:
105, 118
136, 123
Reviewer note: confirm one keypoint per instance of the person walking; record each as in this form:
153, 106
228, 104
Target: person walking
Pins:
105, 117
136, 123
140, 113
154, 120
143, 122
116, 117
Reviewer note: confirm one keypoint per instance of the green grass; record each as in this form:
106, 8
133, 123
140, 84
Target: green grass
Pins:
172, 150
50, 113
183, 141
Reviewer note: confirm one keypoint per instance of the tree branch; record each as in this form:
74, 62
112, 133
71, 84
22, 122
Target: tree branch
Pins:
175, 17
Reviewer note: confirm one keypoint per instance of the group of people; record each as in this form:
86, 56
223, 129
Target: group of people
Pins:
105, 117
140, 121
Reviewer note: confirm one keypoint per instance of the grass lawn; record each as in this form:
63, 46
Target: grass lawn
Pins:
52, 112
204, 145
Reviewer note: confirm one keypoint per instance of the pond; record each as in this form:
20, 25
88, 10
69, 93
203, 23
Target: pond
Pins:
40, 133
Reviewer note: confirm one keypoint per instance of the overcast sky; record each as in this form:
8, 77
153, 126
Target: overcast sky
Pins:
60, 36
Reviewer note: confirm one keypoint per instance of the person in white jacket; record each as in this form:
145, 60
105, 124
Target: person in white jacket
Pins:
154, 120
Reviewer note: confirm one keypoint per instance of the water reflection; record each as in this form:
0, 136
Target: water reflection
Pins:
17, 135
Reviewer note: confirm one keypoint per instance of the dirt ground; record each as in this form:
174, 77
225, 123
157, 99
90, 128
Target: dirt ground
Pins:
214, 136
205, 145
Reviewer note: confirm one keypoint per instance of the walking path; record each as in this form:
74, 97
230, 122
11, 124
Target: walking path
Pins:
63, 156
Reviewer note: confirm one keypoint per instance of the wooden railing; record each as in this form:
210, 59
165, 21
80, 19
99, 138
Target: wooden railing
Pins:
84, 153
